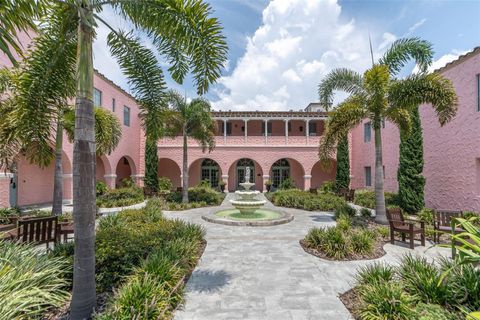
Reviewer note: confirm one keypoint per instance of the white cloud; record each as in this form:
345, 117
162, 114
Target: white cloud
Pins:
298, 43
388, 39
443, 60
415, 26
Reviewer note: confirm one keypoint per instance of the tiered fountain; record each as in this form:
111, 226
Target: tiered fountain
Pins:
248, 210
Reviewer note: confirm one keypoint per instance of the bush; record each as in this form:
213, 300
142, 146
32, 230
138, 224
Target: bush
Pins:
364, 212
383, 231
344, 223
385, 300
127, 183
31, 282
7, 213
328, 186
345, 210
362, 241
421, 279
199, 194
366, 198
165, 184
287, 184
426, 215
374, 273
120, 197
305, 200
101, 188
425, 311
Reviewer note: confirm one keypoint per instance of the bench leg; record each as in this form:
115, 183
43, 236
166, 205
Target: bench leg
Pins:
403, 237
411, 240
392, 236
422, 237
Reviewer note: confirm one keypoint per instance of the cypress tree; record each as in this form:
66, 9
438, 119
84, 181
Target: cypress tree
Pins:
342, 179
151, 164
411, 182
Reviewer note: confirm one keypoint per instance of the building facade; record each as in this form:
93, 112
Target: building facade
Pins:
277, 146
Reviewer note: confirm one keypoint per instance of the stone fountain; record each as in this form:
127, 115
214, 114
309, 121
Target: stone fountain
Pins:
247, 203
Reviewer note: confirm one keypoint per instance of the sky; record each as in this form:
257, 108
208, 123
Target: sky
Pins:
280, 50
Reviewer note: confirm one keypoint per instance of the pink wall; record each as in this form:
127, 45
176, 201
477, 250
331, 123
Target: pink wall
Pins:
363, 155
171, 170
452, 152
321, 175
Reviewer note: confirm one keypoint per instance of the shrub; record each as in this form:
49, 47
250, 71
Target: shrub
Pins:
120, 197
374, 273
383, 231
344, 223
426, 215
385, 300
199, 194
287, 184
422, 279
31, 281
366, 198
294, 198
364, 212
315, 237
362, 241
425, 311
7, 213
328, 186
345, 210
165, 184
101, 188
127, 183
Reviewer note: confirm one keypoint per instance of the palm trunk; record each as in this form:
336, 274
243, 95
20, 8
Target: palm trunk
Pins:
84, 206
379, 194
58, 179
185, 169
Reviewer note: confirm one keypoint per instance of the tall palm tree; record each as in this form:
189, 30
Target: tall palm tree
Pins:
17, 16
377, 95
194, 120
182, 30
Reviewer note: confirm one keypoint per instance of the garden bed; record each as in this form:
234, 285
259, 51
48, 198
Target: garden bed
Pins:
121, 197
294, 198
377, 252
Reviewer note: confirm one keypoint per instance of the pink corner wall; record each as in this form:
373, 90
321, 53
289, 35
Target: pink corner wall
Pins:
169, 169
452, 152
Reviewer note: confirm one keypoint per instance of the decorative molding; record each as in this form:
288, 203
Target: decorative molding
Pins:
307, 176
224, 176
110, 176
67, 175
6, 175
266, 176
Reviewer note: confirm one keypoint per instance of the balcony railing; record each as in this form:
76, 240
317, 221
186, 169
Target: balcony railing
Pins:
253, 141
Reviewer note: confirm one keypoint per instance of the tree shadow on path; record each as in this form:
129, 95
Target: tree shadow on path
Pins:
208, 280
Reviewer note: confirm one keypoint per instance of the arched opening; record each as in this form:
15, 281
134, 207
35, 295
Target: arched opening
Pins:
286, 168
321, 175
236, 174
103, 168
171, 170
125, 169
204, 170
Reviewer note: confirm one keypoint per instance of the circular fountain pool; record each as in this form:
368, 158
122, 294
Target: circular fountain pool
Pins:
257, 218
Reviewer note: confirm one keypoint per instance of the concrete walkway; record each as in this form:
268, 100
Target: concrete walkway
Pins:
263, 273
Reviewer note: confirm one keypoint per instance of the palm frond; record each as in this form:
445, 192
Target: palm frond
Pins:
344, 118
145, 77
185, 33
426, 88
339, 79
400, 117
402, 50
108, 130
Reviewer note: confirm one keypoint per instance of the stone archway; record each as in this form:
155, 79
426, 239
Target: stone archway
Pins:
321, 175
237, 170
125, 169
287, 168
204, 169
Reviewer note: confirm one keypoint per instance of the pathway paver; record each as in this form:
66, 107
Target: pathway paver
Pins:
263, 273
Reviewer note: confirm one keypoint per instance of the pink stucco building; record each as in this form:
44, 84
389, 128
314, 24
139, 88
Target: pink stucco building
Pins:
277, 145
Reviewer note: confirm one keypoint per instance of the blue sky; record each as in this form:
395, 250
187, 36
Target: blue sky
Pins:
279, 50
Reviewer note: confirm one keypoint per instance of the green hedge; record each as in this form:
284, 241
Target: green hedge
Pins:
305, 200
199, 194
366, 198
121, 197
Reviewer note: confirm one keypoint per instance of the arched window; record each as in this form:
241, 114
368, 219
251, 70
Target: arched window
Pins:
280, 172
242, 165
210, 171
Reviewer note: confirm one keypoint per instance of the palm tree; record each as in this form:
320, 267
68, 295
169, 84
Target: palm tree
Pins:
181, 30
377, 95
17, 16
194, 120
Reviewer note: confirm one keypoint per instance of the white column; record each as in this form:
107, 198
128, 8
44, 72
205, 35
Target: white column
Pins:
245, 121
286, 131
307, 129
225, 131
266, 130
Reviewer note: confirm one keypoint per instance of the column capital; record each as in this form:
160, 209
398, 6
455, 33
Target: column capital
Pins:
224, 176
266, 176
110, 176
67, 175
307, 176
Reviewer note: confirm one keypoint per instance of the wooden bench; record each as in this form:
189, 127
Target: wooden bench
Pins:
400, 225
442, 223
37, 230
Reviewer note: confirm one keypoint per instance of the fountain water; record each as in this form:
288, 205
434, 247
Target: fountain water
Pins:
247, 204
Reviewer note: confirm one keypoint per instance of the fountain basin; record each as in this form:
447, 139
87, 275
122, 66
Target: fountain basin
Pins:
248, 206
257, 218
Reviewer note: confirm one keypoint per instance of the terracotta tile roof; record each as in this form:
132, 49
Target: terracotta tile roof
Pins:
460, 59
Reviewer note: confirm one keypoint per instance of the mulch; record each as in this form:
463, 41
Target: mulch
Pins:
351, 302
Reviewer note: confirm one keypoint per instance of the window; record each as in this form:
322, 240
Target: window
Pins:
229, 128
280, 172
383, 172
368, 176
126, 116
367, 132
478, 92
312, 129
289, 127
97, 97
269, 128
209, 171
113, 104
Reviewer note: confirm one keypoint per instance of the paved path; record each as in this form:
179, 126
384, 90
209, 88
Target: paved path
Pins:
263, 273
